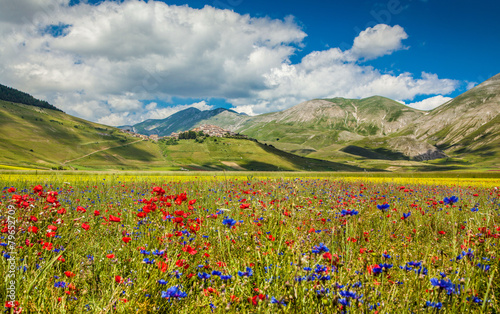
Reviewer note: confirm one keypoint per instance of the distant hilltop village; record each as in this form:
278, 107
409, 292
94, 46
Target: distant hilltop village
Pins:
207, 129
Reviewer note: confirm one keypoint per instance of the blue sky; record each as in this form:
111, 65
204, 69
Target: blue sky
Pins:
124, 61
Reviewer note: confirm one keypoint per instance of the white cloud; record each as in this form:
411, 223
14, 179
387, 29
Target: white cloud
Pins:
115, 55
378, 41
292, 84
470, 85
430, 103
29, 11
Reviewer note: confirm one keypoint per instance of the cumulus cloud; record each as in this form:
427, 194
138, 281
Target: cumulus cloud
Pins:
29, 11
107, 62
378, 41
430, 103
471, 85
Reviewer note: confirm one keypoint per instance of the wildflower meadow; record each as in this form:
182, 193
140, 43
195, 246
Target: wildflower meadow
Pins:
105, 244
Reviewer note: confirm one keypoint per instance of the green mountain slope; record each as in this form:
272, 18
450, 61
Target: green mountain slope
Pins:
322, 122
242, 154
43, 138
39, 138
467, 123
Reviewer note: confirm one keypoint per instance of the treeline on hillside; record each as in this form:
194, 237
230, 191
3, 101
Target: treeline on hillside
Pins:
13, 95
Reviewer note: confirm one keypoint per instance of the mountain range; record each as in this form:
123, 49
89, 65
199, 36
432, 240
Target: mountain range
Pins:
465, 130
374, 133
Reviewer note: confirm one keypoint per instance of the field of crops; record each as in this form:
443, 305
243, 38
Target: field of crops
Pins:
193, 244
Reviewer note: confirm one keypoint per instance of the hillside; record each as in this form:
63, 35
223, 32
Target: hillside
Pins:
467, 125
35, 137
242, 154
322, 122
39, 138
16, 96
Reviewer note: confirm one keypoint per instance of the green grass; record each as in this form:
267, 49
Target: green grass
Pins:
250, 155
43, 138
275, 236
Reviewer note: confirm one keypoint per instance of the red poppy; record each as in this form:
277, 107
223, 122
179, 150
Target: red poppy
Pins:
162, 266
114, 219
256, 299
126, 239
85, 226
110, 256
118, 279
189, 249
10, 304
69, 274
158, 190
96, 213
33, 229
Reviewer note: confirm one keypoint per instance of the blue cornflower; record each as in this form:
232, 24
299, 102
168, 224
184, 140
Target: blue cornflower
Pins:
216, 273
406, 215
248, 273
450, 200
446, 285
436, 305
320, 269
386, 266
212, 307
59, 284
348, 212
228, 222
225, 277
344, 302
483, 267
203, 275
469, 254
383, 207
320, 248
348, 294
279, 302
173, 292
162, 282
477, 300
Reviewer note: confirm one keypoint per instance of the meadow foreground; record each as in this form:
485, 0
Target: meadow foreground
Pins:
201, 245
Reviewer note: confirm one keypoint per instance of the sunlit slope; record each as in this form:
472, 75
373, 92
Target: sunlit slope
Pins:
242, 154
43, 138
